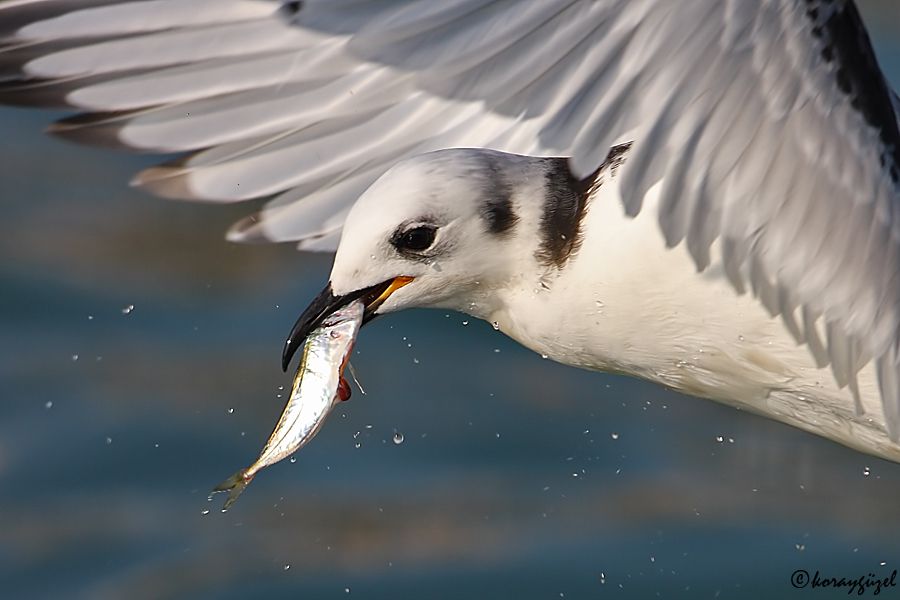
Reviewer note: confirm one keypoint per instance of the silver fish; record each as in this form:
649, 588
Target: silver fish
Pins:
318, 386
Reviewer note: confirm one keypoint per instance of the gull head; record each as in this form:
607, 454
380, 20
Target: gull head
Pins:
441, 230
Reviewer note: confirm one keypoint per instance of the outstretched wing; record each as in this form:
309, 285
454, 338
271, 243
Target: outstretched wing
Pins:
768, 122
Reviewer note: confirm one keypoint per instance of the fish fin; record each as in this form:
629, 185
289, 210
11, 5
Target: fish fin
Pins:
355, 378
235, 486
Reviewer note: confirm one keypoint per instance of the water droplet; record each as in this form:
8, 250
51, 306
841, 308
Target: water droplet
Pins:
415, 361
614, 436
465, 323
358, 445
544, 356
74, 357
128, 309
90, 317
602, 577
287, 567
346, 590
293, 459
108, 441
398, 438
882, 563
740, 338
866, 472
495, 325
720, 439
48, 404
496, 350
230, 411
800, 547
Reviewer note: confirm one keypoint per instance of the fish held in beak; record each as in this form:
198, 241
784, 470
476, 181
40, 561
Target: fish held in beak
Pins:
318, 386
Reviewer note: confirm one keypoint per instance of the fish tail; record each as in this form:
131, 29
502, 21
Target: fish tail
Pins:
234, 485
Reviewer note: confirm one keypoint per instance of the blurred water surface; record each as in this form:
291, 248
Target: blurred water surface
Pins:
139, 361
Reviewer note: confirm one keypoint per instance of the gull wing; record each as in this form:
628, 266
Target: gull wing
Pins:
768, 123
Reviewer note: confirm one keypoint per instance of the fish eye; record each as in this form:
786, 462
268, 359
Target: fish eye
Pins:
416, 239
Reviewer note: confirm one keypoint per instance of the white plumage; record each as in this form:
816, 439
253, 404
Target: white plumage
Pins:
765, 145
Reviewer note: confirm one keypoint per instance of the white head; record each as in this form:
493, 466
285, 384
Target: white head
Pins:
449, 220
449, 229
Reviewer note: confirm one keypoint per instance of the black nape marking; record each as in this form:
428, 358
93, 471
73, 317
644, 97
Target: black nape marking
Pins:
293, 8
497, 210
566, 204
845, 40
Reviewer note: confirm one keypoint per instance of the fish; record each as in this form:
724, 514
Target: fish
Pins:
318, 386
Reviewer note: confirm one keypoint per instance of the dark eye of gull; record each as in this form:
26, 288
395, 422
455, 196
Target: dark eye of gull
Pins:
416, 239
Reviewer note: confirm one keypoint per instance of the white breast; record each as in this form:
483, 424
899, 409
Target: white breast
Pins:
626, 303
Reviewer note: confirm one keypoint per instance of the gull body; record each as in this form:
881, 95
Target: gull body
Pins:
623, 301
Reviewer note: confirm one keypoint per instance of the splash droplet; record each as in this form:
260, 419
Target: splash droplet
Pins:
398, 438
128, 309
719, 439
495, 325
614, 435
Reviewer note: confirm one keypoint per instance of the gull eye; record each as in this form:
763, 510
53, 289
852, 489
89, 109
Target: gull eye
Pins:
416, 239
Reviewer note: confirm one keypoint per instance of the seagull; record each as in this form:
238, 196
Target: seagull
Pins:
703, 193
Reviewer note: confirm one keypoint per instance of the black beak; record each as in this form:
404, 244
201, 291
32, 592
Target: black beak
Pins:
326, 303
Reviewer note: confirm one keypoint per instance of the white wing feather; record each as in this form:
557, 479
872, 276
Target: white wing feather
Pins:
741, 108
